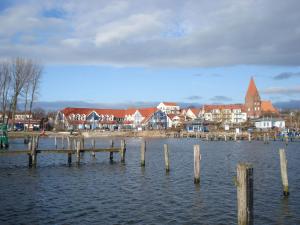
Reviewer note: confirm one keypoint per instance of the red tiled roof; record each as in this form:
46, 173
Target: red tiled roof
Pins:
86, 111
146, 112
252, 90
170, 103
195, 111
119, 113
266, 106
230, 106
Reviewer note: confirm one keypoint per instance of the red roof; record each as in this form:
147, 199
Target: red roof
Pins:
195, 111
169, 103
266, 106
86, 111
252, 90
146, 112
230, 106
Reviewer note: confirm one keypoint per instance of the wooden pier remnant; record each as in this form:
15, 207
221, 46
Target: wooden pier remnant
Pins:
78, 145
62, 142
166, 153
245, 194
283, 169
29, 153
197, 158
123, 150
33, 151
249, 137
143, 151
111, 154
93, 147
55, 142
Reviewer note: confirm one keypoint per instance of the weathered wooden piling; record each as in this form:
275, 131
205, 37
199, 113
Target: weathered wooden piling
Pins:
283, 170
111, 154
93, 147
286, 140
33, 151
143, 151
55, 142
235, 137
62, 142
207, 137
69, 154
29, 154
78, 145
245, 194
197, 158
249, 137
123, 150
167, 162
225, 137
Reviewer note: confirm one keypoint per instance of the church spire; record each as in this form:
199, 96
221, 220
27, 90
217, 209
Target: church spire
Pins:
252, 90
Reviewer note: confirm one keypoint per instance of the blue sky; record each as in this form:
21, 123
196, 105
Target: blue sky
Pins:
135, 51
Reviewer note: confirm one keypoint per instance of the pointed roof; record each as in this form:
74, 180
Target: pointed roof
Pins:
267, 106
252, 90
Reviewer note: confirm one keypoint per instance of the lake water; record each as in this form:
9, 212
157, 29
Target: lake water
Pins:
97, 192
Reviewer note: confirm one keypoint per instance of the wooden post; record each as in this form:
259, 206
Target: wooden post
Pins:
55, 142
235, 137
225, 137
78, 145
70, 151
286, 140
167, 162
111, 154
143, 150
93, 146
197, 158
69, 143
62, 142
283, 169
29, 153
123, 150
249, 137
33, 151
207, 137
245, 194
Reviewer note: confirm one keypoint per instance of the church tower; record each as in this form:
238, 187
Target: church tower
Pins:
252, 101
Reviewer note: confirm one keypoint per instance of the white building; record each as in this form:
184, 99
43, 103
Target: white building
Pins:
232, 114
269, 123
169, 107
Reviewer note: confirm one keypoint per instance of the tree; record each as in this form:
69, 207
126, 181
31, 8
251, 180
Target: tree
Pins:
21, 70
5, 84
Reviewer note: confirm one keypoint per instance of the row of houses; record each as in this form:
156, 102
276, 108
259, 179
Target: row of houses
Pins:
160, 117
163, 116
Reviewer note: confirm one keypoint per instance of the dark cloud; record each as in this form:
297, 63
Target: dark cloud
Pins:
132, 33
292, 104
194, 97
220, 98
282, 90
286, 75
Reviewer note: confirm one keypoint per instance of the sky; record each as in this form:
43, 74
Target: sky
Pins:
127, 53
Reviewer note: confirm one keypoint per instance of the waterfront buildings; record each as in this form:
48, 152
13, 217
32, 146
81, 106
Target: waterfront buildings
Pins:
167, 115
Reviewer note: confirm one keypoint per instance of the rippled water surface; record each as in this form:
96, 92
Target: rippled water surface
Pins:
97, 192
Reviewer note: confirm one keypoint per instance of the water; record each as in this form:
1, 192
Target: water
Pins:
98, 192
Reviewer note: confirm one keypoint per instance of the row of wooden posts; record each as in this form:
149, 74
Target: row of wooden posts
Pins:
244, 181
213, 137
77, 147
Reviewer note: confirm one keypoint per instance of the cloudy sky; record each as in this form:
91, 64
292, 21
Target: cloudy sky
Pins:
146, 51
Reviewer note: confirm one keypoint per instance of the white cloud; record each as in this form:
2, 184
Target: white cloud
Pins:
154, 33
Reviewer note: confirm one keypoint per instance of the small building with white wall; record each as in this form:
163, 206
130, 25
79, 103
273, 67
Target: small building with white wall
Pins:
269, 123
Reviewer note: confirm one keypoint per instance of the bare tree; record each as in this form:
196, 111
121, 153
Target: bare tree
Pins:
35, 83
5, 82
21, 70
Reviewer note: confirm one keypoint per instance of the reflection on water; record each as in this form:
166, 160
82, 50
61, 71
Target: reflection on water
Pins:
98, 192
